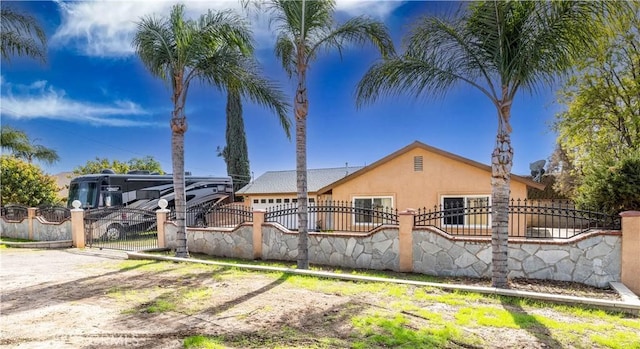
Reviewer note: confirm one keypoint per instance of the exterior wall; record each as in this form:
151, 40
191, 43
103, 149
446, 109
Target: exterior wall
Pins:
378, 250
410, 189
417, 189
45, 231
593, 259
237, 243
42, 231
15, 230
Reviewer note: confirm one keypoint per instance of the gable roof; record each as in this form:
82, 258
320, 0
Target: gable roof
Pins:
279, 182
428, 148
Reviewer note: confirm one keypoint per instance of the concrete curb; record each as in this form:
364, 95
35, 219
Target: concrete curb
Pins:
40, 244
622, 306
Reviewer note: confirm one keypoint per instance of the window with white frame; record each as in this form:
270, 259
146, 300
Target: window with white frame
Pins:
466, 210
368, 209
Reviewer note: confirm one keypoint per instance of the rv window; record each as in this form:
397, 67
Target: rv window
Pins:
110, 198
147, 194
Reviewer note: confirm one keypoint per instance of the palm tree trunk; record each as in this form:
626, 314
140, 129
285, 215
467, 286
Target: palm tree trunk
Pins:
301, 105
501, 162
178, 129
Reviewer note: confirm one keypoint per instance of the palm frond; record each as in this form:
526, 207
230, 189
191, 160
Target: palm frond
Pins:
228, 69
285, 50
359, 31
17, 32
155, 44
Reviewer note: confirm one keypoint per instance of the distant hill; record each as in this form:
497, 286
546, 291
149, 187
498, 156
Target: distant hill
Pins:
62, 180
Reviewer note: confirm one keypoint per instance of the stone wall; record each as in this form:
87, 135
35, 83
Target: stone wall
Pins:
378, 250
14, 230
593, 259
237, 243
45, 231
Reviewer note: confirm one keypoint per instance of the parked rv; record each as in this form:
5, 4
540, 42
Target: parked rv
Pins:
119, 204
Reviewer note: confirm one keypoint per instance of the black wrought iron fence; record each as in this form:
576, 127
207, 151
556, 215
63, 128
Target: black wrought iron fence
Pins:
220, 216
121, 228
54, 214
334, 216
14, 212
527, 218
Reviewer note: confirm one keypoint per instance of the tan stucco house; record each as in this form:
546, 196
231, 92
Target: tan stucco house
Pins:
415, 176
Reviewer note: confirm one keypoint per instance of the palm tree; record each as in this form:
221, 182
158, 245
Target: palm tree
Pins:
499, 48
19, 144
304, 28
178, 51
17, 33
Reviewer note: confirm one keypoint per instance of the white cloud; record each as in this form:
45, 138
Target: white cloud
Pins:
105, 28
41, 101
374, 8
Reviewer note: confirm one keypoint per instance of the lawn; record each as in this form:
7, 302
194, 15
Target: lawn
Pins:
279, 310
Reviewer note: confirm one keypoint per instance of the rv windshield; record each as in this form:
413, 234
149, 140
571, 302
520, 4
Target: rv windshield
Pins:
86, 192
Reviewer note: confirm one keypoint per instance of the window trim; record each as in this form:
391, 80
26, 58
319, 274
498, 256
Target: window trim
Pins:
465, 197
353, 202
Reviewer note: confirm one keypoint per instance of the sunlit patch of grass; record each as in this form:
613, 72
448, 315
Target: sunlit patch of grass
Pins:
202, 342
396, 330
161, 305
618, 340
494, 317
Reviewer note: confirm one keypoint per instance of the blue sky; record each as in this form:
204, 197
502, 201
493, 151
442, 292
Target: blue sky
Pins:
94, 98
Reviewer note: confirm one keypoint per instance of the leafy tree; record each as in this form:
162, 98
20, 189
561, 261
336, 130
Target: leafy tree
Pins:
178, 51
236, 153
147, 163
499, 48
612, 189
19, 144
21, 35
304, 29
601, 124
564, 173
25, 184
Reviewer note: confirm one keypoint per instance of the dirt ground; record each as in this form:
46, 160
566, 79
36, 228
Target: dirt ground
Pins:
59, 299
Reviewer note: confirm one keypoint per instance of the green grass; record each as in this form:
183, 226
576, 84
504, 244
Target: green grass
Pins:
202, 342
376, 315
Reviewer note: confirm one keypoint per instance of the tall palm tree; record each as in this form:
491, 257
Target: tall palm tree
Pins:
19, 144
304, 28
499, 48
178, 51
20, 34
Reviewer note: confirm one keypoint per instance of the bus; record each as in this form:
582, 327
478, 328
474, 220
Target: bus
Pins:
142, 190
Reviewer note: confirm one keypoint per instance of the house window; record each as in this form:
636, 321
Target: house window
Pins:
368, 210
255, 201
294, 200
312, 200
278, 201
468, 210
263, 201
286, 201
270, 201
417, 163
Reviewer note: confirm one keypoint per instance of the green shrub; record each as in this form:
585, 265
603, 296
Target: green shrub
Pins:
24, 183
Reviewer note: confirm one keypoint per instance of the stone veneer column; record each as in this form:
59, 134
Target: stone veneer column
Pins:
77, 225
258, 220
631, 250
31, 215
405, 237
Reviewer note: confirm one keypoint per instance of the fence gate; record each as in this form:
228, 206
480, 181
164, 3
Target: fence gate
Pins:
121, 228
